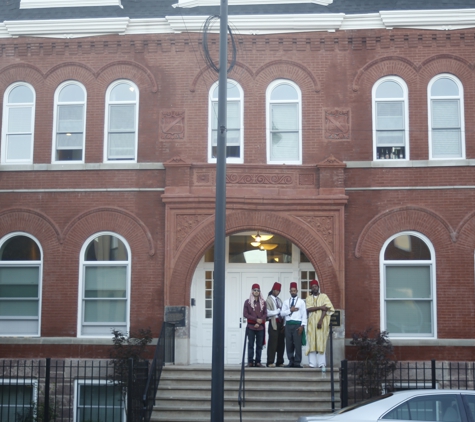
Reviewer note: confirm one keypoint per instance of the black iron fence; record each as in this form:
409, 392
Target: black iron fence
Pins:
357, 385
64, 390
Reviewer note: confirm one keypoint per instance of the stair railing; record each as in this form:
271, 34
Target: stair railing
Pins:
242, 380
165, 342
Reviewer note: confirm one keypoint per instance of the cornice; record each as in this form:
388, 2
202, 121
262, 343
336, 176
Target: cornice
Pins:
68, 28
244, 24
199, 3
39, 4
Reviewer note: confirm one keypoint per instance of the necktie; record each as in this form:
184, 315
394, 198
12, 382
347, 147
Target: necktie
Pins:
293, 301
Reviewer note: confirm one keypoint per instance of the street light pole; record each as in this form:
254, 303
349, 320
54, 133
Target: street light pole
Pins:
217, 369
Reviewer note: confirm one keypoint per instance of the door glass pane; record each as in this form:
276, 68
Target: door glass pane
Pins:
276, 250
408, 282
409, 317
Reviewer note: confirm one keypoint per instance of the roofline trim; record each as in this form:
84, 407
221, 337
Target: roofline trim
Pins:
199, 3
40, 4
244, 24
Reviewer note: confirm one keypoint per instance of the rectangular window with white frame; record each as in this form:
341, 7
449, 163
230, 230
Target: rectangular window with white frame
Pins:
98, 401
18, 398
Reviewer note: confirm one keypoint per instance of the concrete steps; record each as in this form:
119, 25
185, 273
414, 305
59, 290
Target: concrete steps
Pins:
271, 394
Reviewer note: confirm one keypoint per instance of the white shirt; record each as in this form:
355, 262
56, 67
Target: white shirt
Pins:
300, 315
276, 311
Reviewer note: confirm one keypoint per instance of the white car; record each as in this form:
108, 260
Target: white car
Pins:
409, 405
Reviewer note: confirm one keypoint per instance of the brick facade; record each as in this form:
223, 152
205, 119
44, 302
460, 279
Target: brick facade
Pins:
166, 212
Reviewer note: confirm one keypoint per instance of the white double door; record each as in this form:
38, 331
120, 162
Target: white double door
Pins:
237, 290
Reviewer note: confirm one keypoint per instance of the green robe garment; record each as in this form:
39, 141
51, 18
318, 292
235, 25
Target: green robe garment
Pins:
317, 339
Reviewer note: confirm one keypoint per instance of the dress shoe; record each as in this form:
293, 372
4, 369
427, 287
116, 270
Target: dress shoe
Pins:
271, 365
249, 365
259, 365
280, 365
297, 366
289, 365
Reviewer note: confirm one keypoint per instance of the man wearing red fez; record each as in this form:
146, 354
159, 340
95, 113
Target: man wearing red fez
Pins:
295, 314
255, 312
276, 340
319, 309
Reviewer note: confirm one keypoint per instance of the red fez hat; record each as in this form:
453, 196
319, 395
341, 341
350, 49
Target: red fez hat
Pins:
256, 286
293, 285
313, 282
277, 286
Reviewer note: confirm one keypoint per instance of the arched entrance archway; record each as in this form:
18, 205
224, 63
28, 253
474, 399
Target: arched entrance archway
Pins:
247, 262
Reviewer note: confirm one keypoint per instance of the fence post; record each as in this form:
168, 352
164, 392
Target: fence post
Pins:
344, 383
130, 387
47, 383
432, 365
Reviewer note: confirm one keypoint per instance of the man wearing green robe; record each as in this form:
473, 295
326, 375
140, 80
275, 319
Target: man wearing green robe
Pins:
319, 309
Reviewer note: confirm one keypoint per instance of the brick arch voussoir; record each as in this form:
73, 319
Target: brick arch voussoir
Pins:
446, 63
396, 220
385, 66
21, 72
69, 71
32, 222
128, 70
465, 231
286, 69
116, 220
289, 227
241, 73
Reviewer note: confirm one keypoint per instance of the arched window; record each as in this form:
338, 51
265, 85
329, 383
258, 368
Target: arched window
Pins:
18, 124
408, 299
69, 125
121, 129
104, 285
284, 123
234, 125
390, 119
21, 269
446, 118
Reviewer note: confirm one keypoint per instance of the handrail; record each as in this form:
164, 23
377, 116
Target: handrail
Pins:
155, 372
242, 381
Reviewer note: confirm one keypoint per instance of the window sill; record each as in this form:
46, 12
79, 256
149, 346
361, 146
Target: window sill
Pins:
427, 342
410, 163
80, 167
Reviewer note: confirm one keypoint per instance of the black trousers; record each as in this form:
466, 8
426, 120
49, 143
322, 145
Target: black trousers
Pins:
276, 344
293, 342
255, 336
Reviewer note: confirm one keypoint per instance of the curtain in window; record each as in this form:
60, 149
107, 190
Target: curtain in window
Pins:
390, 123
121, 131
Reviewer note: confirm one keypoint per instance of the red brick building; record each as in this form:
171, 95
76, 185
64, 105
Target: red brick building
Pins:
350, 142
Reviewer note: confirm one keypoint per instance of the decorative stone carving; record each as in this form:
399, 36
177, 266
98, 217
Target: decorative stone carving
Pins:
172, 124
259, 179
337, 124
185, 223
323, 226
203, 178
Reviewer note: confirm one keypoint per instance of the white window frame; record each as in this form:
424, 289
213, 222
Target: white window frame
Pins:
405, 99
35, 264
55, 120
460, 98
108, 103
269, 90
33, 382
5, 130
82, 274
78, 383
431, 263
212, 116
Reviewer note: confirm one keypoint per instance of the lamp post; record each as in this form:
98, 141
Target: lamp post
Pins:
217, 369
